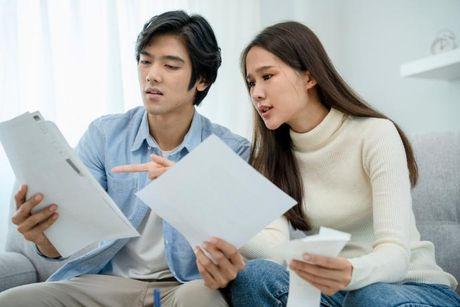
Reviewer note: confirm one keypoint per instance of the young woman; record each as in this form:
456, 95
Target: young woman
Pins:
349, 167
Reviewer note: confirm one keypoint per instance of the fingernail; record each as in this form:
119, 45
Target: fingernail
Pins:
53, 208
213, 240
38, 197
306, 257
55, 216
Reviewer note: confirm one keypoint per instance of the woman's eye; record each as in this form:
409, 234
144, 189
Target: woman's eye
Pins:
251, 84
268, 76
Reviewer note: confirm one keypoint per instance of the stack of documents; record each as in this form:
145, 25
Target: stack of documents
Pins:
213, 192
42, 159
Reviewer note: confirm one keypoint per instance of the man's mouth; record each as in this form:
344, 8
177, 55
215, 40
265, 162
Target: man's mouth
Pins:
153, 91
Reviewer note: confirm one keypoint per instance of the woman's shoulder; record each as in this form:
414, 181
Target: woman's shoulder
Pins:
378, 137
373, 127
374, 134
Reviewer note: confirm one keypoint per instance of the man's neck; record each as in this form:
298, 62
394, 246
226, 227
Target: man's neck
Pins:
169, 130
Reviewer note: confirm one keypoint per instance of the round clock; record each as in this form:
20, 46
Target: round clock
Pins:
444, 41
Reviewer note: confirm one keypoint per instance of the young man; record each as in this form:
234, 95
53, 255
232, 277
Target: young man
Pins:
178, 58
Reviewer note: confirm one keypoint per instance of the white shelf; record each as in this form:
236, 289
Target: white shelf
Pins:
443, 66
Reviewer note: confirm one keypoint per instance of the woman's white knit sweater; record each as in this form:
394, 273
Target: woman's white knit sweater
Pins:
356, 180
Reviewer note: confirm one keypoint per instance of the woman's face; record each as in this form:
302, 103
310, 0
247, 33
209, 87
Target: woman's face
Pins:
278, 92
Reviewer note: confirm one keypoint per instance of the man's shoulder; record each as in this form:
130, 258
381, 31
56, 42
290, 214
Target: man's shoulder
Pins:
235, 141
119, 123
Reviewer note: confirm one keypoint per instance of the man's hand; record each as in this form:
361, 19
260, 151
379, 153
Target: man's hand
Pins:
32, 225
155, 168
228, 263
328, 274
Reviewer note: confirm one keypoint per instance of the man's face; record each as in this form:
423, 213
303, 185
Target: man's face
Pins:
164, 72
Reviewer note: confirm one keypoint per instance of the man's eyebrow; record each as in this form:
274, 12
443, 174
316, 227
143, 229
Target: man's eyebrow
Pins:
172, 58
143, 52
169, 57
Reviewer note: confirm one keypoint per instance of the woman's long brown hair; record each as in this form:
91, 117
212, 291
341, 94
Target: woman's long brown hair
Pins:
272, 152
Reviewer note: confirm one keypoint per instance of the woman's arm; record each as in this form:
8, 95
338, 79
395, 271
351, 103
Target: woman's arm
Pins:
261, 246
384, 160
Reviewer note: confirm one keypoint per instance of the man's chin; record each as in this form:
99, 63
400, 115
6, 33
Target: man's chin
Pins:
155, 109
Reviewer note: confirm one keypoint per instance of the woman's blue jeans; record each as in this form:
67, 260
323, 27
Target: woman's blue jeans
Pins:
265, 283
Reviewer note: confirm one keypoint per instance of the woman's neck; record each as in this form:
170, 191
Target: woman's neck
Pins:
311, 116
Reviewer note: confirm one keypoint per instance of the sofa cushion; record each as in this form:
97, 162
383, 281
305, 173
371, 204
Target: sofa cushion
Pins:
15, 270
436, 197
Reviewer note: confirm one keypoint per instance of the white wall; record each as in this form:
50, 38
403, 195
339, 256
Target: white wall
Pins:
368, 40
380, 38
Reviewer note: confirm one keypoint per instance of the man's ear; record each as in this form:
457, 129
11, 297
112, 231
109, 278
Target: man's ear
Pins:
310, 82
201, 85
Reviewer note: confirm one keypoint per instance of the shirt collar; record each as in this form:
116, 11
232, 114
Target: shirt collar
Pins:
191, 139
142, 133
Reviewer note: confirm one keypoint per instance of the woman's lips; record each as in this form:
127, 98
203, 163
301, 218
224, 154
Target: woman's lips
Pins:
265, 111
266, 114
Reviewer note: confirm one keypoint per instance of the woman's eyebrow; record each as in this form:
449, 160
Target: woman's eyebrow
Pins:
262, 68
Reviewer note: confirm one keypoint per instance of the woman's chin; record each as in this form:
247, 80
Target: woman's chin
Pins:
271, 125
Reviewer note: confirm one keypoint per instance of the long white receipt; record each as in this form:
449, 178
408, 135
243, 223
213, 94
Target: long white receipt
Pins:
213, 192
328, 242
42, 159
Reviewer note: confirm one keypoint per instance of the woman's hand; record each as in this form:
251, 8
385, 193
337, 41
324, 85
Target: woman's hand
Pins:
155, 168
328, 274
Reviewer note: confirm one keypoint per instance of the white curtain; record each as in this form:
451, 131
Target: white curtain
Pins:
73, 60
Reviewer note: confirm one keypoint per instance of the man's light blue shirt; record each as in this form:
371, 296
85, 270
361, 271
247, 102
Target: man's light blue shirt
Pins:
125, 139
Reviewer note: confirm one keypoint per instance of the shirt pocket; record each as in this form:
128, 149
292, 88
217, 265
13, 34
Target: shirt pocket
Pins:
122, 189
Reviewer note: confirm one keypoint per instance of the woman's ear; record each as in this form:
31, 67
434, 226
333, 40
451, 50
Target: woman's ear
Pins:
310, 82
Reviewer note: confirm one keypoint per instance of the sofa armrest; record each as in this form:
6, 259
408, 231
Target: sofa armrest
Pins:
15, 270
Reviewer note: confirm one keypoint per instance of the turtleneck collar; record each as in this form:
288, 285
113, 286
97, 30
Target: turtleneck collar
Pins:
319, 135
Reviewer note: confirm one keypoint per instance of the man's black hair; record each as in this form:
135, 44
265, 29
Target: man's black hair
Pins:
199, 40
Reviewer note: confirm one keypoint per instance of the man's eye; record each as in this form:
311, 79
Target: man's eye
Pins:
171, 67
268, 76
144, 62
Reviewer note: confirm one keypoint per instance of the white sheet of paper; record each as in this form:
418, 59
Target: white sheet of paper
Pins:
328, 242
42, 159
213, 192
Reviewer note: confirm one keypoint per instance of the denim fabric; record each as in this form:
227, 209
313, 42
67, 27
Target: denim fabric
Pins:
265, 283
261, 283
125, 139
